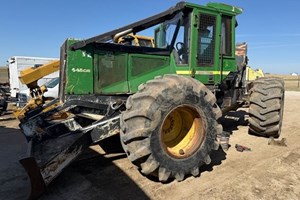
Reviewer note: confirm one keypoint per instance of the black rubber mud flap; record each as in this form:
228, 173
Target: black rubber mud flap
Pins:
38, 186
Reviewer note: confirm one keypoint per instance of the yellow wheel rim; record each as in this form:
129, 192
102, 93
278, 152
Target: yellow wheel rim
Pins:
182, 132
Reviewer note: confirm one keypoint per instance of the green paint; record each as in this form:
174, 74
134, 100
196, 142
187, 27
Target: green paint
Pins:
146, 67
79, 76
110, 72
92, 70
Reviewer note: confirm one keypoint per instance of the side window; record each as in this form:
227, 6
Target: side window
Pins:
226, 38
182, 44
207, 32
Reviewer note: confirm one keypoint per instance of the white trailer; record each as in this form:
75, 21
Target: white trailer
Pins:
18, 63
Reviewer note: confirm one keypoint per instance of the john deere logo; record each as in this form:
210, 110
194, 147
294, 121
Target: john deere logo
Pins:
81, 70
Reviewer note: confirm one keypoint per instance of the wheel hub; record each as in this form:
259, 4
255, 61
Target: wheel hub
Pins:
182, 131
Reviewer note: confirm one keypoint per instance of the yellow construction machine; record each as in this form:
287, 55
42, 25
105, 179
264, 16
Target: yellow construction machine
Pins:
30, 77
241, 57
252, 74
136, 40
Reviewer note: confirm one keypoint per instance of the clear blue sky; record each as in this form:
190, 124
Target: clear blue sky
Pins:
39, 27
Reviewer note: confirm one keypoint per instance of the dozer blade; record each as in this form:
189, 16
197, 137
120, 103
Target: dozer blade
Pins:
48, 157
38, 186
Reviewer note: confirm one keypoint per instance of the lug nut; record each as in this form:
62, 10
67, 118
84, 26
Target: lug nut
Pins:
181, 152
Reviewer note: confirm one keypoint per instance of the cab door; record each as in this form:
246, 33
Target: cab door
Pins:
214, 50
206, 63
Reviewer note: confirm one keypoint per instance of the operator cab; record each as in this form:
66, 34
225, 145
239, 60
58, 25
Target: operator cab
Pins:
188, 39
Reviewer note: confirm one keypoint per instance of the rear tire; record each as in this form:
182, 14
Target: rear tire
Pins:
169, 128
266, 107
3, 104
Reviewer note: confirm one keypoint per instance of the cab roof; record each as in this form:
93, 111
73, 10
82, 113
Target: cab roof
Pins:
156, 19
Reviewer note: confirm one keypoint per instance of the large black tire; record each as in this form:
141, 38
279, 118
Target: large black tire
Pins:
266, 107
3, 104
169, 127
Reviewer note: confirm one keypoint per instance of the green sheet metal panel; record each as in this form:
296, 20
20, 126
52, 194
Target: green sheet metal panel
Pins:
144, 64
145, 67
79, 76
110, 72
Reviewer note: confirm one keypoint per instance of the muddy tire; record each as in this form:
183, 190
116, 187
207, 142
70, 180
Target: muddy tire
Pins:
266, 107
169, 127
3, 104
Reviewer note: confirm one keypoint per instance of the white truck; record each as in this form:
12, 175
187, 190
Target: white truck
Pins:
19, 63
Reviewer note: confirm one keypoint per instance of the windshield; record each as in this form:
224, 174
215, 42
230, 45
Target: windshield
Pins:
162, 34
52, 83
175, 33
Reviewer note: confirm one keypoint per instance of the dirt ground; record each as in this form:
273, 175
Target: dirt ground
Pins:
266, 172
